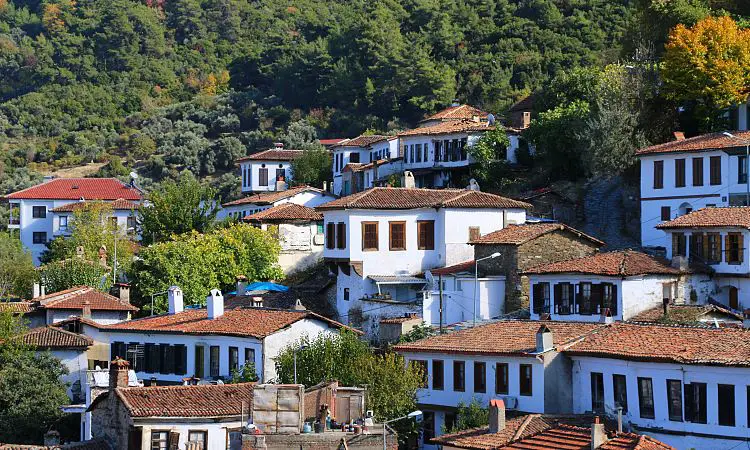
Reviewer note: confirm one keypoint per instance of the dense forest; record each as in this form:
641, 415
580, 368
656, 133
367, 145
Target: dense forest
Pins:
164, 86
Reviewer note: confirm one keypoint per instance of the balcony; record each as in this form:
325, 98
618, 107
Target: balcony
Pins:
14, 222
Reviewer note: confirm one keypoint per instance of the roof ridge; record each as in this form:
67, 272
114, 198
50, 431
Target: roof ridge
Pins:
522, 427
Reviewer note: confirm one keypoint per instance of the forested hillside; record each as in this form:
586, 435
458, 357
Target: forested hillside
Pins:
163, 86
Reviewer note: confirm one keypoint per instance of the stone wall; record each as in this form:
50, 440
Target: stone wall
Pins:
111, 421
320, 441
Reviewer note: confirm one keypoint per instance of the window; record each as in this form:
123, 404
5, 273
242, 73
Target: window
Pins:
564, 298
341, 235
697, 171
742, 169
674, 400
480, 377
369, 236
159, 440
354, 157
39, 212
679, 172
501, 378
715, 170
597, 392
474, 233
39, 237
428, 427
726, 405
280, 174
666, 213
249, 356
180, 359
346, 294
63, 223
425, 152
697, 242
620, 386
131, 224
113, 222
166, 355
584, 299
214, 361
541, 298
319, 228
438, 375
234, 359
330, 235
658, 174
426, 234
200, 361
397, 236
695, 402
525, 379
678, 244
418, 152
714, 248
459, 376
734, 248
198, 439
422, 364
263, 176
646, 398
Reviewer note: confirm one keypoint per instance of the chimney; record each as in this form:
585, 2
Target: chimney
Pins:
407, 180
36, 291
607, 316
118, 374
241, 284
497, 415
174, 298
619, 419
86, 309
43, 290
298, 306
746, 322
598, 434
152, 382
257, 302
544, 339
280, 184
679, 136
325, 186
278, 145
124, 292
215, 304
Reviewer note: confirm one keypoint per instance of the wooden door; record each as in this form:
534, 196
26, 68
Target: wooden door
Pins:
734, 301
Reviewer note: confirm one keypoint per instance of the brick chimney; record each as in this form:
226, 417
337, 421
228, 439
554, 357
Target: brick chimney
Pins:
679, 135
124, 292
215, 304
174, 298
544, 340
118, 374
598, 434
86, 309
497, 415
278, 145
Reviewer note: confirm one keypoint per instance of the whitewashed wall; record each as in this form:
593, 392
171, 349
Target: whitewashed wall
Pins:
217, 432
458, 300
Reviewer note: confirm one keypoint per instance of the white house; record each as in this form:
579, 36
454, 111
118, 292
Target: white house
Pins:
380, 241
714, 238
688, 174
686, 386
124, 214
517, 361
618, 284
299, 230
362, 149
33, 210
254, 203
210, 343
268, 170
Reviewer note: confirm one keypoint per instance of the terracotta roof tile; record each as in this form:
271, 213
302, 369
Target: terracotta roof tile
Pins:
455, 268
520, 234
624, 263
243, 322
458, 112
364, 140
667, 344
505, 337
482, 439
332, 141
524, 104
74, 298
18, 307
454, 126
52, 337
414, 198
285, 212
268, 198
77, 188
729, 216
211, 400
397, 320
705, 142
684, 314
273, 154
118, 205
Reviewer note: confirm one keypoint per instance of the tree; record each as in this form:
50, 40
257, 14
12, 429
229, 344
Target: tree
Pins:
709, 64
31, 393
245, 374
420, 331
178, 208
473, 415
16, 268
67, 273
489, 154
313, 167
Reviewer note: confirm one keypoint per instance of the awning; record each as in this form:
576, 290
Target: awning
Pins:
396, 279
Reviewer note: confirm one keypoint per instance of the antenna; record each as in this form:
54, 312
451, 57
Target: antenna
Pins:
133, 175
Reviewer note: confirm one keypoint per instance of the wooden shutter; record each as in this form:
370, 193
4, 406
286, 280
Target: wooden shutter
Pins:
148, 351
341, 235
330, 235
174, 440
706, 249
134, 438
740, 247
596, 298
180, 359
538, 301
558, 294
613, 304
727, 249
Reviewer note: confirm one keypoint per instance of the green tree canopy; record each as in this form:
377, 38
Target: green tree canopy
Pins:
16, 268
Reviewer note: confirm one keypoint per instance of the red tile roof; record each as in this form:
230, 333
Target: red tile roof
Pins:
365, 140
397, 320
505, 337
481, 439
458, 112
520, 234
285, 212
55, 338
273, 154
415, 198
118, 205
524, 104
710, 217
75, 297
667, 344
624, 263
242, 322
332, 141
268, 198
686, 314
455, 126
77, 188
455, 268
210, 400
18, 307
705, 142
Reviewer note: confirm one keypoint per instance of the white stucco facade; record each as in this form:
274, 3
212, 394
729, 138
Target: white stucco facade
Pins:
459, 299
305, 197
253, 179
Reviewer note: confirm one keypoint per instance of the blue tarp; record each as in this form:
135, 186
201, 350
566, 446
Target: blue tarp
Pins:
263, 286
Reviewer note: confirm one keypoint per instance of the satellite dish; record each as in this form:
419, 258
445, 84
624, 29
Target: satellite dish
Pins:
133, 175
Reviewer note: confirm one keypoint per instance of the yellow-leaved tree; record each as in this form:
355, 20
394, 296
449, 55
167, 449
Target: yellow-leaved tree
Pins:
708, 63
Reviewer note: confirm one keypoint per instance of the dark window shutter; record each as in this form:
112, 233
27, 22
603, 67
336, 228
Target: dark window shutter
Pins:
558, 294
174, 440
163, 364
180, 359
148, 351
169, 358
114, 350
614, 300
689, 402
538, 300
